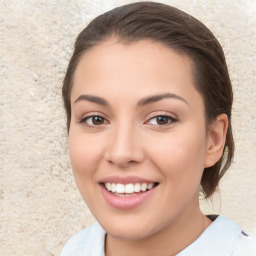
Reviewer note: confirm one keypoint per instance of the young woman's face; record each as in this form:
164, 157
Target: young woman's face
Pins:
137, 124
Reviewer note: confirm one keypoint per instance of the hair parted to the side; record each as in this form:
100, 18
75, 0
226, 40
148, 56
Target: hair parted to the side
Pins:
182, 33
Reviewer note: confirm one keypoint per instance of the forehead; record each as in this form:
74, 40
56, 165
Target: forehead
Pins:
135, 68
113, 52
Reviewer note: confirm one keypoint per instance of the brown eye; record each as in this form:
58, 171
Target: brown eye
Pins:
93, 120
97, 120
161, 120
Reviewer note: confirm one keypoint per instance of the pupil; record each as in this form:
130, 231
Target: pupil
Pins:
97, 120
162, 120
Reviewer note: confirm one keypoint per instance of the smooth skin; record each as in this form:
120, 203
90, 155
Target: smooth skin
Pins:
136, 112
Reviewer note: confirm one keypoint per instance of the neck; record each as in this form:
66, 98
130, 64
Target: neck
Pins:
169, 241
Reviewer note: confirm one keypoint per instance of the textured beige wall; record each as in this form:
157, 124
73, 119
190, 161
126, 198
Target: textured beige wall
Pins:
40, 207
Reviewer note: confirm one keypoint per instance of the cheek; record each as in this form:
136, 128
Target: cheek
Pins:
85, 155
180, 156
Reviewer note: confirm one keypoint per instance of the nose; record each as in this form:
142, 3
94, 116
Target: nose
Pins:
124, 148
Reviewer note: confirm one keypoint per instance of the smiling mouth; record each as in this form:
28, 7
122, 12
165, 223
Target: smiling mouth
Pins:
130, 189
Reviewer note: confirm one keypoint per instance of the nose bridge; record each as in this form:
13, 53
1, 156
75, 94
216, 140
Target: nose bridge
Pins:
124, 147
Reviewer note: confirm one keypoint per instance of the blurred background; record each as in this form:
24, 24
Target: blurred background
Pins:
40, 207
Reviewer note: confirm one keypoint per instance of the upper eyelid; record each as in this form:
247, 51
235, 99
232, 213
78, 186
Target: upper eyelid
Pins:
172, 119
161, 113
91, 114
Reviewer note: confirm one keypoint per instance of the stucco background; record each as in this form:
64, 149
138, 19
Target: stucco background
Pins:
40, 207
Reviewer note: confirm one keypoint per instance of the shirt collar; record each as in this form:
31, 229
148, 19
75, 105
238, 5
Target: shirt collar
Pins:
218, 239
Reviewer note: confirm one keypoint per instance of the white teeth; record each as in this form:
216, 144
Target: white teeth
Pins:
113, 187
119, 188
151, 185
137, 187
128, 188
144, 187
108, 186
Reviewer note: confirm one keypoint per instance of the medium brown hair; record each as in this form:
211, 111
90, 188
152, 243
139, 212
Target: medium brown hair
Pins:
182, 33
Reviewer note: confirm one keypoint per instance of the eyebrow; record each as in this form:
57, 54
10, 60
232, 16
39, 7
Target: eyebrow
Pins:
143, 102
91, 98
155, 98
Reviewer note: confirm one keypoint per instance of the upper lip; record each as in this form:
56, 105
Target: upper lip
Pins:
125, 180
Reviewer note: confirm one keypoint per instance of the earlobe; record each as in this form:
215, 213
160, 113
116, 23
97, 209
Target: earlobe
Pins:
216, 140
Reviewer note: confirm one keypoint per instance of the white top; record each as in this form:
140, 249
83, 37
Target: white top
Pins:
222, 238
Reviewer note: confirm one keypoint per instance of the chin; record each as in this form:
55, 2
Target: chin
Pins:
127, 230
128, 234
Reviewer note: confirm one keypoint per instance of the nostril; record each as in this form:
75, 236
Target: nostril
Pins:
121, 161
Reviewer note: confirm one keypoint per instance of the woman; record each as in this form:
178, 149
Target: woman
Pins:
148, 101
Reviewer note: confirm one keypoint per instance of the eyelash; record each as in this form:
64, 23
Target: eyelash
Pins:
170, 120
84, 121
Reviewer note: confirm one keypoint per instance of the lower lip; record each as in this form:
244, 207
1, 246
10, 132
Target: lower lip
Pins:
126, 202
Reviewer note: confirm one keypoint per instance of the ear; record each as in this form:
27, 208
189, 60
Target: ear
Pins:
216, 139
